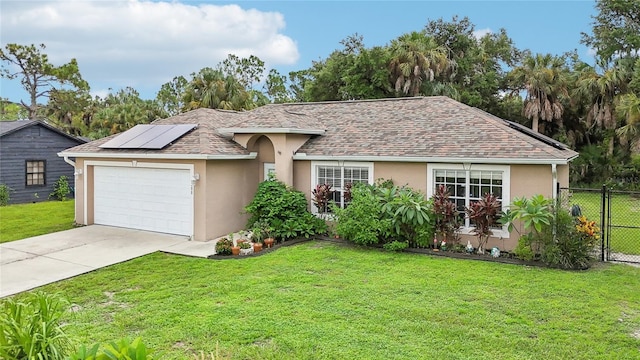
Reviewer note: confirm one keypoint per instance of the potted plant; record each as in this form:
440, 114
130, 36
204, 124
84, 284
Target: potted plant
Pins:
245, 248
223, 247
262, 233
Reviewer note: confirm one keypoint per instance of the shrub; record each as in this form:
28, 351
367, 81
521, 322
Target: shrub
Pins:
61, 189
410, 213
285, 210
363, 221
573, 243
560, 239
383, 212
223, 246
31, 329
5, 194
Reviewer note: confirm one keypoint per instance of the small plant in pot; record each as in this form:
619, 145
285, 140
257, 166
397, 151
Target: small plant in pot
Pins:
245, 248
262, 233
223, 247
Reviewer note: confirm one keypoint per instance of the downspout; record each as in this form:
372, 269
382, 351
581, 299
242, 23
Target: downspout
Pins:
68, 161
554, 176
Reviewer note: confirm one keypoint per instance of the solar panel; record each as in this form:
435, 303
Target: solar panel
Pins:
153, 137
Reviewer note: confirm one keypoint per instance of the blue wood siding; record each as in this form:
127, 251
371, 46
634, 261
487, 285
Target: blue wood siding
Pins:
33, 143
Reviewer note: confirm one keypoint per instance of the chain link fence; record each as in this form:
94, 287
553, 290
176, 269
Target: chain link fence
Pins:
617, 214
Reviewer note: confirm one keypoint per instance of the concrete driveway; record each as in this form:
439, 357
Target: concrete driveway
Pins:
33, 262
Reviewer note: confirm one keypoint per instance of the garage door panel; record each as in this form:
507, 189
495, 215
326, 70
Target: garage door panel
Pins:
144, 198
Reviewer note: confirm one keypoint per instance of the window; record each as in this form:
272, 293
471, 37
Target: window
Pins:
469, 185
35, 172
340, 177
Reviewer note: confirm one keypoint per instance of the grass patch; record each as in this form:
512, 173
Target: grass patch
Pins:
21, 221
625, 219
322, 300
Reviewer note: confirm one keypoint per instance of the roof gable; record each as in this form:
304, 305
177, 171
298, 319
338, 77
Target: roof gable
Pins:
10, 127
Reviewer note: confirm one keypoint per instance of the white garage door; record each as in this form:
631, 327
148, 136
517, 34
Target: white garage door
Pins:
143, 198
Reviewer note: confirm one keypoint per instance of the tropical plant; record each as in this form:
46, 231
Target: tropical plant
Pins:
32, 328
410, 213
61, 189
446, 219
119, 350
484, 215
322, 194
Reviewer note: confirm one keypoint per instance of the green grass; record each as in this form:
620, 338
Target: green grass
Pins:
322, 300
25, 220
625, 211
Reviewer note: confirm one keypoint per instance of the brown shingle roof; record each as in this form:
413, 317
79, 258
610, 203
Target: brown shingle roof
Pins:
419, 127
204, 140
433, 127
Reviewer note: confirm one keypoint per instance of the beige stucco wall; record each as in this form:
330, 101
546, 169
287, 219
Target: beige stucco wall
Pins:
284, 146
230, 187
411, 174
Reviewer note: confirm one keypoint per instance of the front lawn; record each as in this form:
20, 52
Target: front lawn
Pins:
26, 220
321, 300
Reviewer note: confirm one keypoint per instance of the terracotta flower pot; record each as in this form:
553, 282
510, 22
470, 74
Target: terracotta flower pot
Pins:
269, 242
235, 250
257, 247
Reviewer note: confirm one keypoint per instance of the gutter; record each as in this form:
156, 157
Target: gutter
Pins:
102, 155
430, 159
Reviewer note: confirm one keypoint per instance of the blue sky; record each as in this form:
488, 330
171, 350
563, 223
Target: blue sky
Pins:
145, 44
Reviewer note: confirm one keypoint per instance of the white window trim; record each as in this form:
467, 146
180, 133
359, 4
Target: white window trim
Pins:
506, 188
314, 173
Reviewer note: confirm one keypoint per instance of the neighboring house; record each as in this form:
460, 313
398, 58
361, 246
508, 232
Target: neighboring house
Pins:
29, 163
198, 184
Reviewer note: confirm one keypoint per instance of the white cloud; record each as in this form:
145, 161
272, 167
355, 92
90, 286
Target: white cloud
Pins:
144, 44
480, 33
591, 52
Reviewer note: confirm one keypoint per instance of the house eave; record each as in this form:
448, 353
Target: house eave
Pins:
432, 159
271, 131
85, 155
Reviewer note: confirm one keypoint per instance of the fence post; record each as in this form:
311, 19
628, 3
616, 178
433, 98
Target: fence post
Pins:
602, 221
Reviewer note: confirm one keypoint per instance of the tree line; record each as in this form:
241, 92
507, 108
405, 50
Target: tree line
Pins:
594, 108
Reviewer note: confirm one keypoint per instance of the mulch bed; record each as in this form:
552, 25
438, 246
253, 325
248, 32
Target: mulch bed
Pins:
449, 254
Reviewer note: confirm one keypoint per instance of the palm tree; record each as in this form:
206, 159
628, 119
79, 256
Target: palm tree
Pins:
416, 57
544, 79
600, 91
212, 89
628, 107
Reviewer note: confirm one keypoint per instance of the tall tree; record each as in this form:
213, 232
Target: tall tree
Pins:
123, 110
170, 96
545, 80
246, 70
616, 29
629, 109
37, 75
10, 111
211, 88
415, 58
